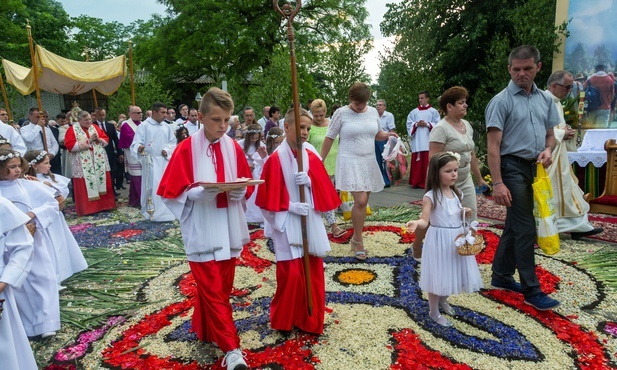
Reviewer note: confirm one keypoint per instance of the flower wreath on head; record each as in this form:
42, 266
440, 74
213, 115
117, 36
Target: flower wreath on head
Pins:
5, 141
253, 131
9, 156
38, 158
455, 155
274, 136
180, 127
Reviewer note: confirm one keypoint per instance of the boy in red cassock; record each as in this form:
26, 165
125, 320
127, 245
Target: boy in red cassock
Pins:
212, 222
279, 200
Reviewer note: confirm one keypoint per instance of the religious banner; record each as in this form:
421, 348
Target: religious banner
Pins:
65, 76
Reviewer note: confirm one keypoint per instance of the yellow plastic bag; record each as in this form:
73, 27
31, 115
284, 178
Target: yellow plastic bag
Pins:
347, 204
544, 212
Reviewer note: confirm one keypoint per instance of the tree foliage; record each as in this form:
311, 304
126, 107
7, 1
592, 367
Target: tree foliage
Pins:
341, 67
147, 91
465, 42
243, 42
236, 39
49, 22
102, 40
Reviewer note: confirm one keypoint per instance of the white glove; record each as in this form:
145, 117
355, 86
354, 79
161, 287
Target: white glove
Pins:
300, 209
202, 194
302, 178
237, 194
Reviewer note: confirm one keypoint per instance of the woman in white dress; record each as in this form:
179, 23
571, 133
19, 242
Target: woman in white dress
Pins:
16, 248
358, 126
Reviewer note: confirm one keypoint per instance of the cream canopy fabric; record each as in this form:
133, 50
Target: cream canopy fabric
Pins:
64, 76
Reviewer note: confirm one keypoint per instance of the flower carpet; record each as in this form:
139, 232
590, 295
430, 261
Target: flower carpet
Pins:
488, 209
132, 308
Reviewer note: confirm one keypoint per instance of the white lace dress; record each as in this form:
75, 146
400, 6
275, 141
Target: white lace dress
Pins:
443, 271
356, 164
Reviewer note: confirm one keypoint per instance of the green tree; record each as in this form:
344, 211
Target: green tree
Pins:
234, 39
341, 67
578, 60
467, 42
103, 40
49, 22
603, 55
148, 90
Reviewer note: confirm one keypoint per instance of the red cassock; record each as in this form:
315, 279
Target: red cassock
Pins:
289, 304
212, 319
83, 205
418, 169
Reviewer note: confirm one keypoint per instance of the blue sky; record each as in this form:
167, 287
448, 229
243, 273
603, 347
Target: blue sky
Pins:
593, 23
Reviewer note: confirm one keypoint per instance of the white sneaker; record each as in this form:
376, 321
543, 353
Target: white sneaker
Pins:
234, 360
48, 334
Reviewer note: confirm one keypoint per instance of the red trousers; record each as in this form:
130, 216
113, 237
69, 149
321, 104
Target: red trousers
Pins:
213, 318
418, 168
288, 307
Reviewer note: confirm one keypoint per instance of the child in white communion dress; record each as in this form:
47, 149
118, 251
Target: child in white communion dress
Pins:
17, 248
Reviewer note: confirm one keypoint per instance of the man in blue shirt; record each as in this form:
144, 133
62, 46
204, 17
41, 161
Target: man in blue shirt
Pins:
519, 121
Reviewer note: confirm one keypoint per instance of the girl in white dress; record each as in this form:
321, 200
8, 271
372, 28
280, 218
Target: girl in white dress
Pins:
16, 250
444, 272
37, 300
250, 144
66, 256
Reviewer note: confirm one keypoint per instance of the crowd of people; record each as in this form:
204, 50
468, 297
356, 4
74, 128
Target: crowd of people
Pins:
195, 168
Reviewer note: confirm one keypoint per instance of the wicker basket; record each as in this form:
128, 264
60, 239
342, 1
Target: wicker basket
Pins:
468, 249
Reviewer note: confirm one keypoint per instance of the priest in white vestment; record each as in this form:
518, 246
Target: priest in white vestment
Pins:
568, 199
154, 143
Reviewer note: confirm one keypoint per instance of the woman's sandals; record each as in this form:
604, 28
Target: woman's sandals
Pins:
359, 253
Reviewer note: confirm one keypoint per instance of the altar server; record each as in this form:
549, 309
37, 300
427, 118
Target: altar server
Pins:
212, 222
279, 199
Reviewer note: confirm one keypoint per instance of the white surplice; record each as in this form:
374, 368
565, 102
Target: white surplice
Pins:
37, 300
32, 135
253, 213
16, 246
210, 233
155, 137
568, 198
286, 226
67, 257
9, 132
420, 135
60, 183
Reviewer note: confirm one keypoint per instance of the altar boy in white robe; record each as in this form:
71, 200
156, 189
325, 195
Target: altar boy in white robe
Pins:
279, 200
154, 143
16, 248
212, 222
